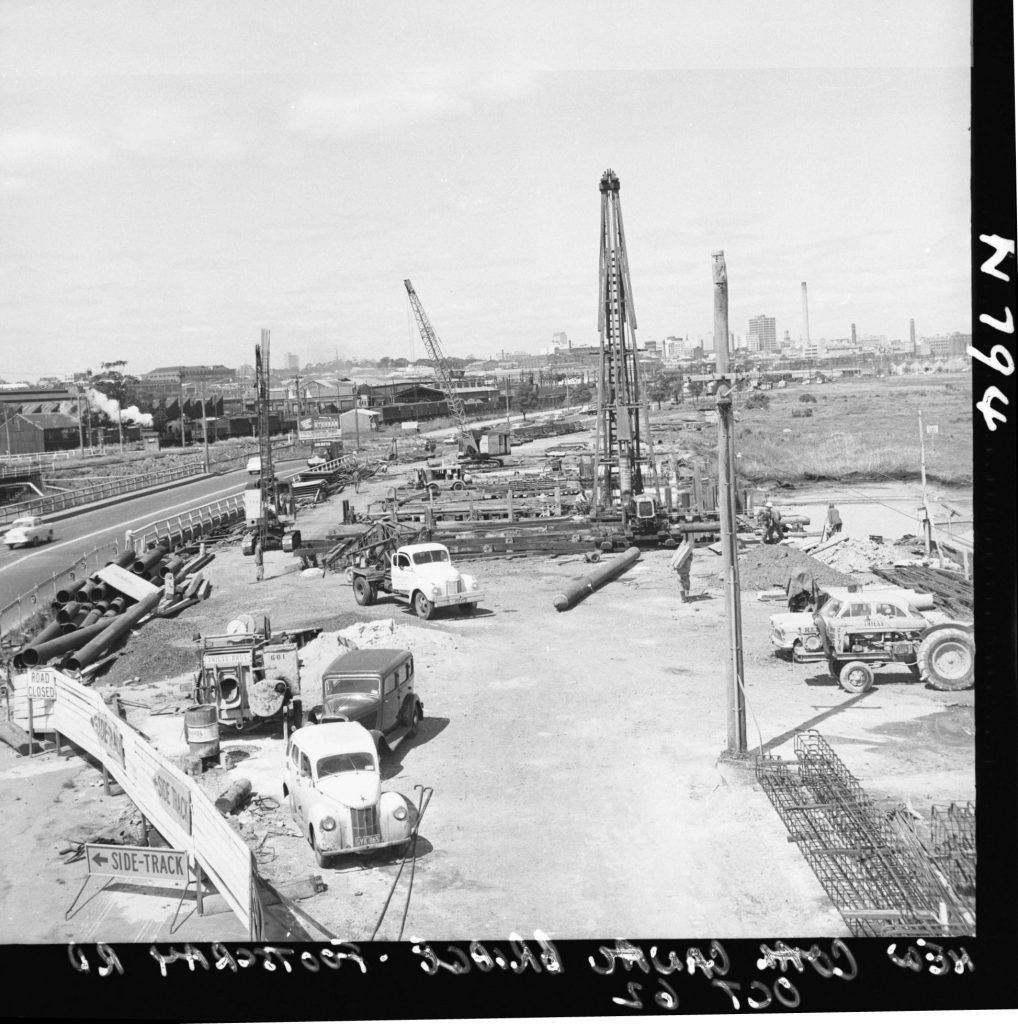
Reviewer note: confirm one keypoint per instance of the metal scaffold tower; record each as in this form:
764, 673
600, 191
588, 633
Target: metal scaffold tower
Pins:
618, 392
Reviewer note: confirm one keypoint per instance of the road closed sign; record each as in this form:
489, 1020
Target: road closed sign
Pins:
137, 862
41, 685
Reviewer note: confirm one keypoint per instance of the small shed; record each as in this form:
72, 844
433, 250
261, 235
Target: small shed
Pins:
358, 422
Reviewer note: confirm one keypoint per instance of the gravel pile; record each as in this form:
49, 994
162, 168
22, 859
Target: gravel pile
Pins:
856, 555
769, 565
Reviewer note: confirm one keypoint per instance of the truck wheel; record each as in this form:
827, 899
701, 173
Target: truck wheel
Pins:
947, 659
424, 608
469, 609
349, 574
856, 677
363, 592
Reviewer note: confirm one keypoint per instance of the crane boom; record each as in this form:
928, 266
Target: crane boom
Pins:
434, 347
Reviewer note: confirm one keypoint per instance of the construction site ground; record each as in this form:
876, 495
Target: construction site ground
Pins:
574, 757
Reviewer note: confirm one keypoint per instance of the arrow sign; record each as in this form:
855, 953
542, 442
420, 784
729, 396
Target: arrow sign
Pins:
129, 862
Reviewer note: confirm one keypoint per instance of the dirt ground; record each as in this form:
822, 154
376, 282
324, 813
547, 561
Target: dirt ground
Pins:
574, 758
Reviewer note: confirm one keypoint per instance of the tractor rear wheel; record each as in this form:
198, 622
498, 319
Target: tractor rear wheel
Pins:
363, 592
947, 659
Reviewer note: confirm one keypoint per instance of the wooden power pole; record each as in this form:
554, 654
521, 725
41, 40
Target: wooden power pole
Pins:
736, 697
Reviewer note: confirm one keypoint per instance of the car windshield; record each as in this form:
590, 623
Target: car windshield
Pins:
22, 524
422, 557
832, 607
350, 684
336, 764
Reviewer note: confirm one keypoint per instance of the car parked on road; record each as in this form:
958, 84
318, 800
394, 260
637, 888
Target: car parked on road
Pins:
333, 785
254, 465
28, 531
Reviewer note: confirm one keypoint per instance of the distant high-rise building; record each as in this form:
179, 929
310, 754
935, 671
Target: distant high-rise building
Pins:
765, 328
560, 340
292, 361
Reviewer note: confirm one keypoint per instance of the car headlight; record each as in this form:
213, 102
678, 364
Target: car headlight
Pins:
327, 824
400, 813
473, 585
434, 590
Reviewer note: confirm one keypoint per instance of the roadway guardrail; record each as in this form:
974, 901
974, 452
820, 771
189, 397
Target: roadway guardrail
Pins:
87, 495
187, 525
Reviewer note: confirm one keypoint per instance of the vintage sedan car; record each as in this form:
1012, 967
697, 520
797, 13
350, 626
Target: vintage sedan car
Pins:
28, 531
795, 633
254, 465
859, 634
334, 789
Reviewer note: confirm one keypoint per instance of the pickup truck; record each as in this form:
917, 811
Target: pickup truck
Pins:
420, 575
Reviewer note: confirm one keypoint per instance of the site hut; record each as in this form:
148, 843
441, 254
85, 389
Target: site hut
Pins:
358, 423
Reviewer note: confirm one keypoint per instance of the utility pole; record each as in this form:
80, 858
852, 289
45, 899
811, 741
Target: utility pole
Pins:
204, 426
927, 530
180, 375
726, 502
81, 423
507, 427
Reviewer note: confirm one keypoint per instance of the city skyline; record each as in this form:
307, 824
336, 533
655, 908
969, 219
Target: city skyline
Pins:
165, 197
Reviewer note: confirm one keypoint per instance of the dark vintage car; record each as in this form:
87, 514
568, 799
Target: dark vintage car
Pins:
376, 689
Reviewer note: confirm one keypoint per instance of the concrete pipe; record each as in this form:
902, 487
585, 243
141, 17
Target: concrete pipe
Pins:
574, 592
94, 592
39, 654
79, 620
114, 631
118, 604
66, 594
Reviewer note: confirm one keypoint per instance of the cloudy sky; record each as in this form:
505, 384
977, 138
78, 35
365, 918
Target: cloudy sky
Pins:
175, 176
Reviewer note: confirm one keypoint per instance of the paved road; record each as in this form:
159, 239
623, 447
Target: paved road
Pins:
22, 568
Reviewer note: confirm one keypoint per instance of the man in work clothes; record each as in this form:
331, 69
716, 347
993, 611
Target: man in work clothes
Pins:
833, 524
770, 519
259, 562
681, 561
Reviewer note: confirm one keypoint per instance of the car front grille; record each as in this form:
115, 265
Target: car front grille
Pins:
364, 821
454, 587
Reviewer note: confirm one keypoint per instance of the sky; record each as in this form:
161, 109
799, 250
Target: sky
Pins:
174, 177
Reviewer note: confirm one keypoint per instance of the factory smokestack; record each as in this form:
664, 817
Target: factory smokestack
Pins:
853, 335
805, 317
911, 334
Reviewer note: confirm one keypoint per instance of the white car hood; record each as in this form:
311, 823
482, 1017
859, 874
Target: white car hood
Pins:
793, 622
352, 789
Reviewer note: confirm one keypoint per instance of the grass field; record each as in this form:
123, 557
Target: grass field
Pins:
858, 430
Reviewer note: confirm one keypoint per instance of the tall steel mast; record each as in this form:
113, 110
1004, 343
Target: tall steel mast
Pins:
618, 424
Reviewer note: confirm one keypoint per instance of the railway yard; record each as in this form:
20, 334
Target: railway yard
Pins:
568, 763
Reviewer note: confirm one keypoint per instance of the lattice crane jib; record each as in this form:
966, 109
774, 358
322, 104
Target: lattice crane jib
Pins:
619, 453
438, 358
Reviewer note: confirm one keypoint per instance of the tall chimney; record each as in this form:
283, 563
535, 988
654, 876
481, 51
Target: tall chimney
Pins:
911, 334
805, 317
853, 335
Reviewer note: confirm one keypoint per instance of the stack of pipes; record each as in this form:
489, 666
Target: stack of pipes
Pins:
90, 615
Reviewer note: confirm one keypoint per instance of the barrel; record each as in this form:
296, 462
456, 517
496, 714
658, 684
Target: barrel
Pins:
201, 729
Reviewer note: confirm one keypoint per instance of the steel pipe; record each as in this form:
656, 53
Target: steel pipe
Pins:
41, 653
147, 562
114, 631
67, 612
574, 592
66, 594
125, 559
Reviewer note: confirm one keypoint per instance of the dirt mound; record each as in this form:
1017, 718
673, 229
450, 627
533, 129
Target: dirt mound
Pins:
770, 565
856, 555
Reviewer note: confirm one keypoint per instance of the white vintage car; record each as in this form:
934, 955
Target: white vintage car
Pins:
796, 633
28, 531
334, 788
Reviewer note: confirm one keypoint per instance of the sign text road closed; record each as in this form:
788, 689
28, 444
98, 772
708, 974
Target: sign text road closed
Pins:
41, 685
137, 862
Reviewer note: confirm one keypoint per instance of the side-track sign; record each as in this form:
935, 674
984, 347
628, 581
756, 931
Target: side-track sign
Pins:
137, 862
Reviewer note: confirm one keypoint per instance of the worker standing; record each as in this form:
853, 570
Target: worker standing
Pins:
770, 519
833, 520
681, 562
259, 561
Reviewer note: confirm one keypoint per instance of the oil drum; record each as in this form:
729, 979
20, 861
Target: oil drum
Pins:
201, 729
